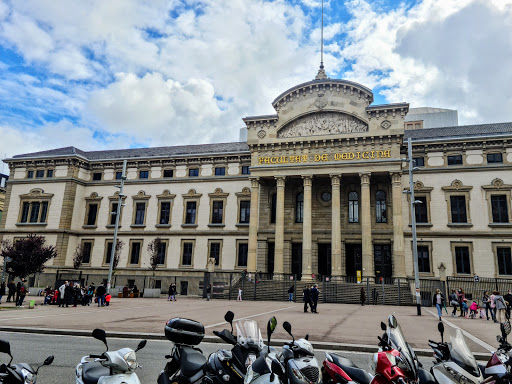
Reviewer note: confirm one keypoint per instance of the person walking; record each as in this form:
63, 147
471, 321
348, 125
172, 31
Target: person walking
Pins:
173, 292
208, 292
363, 296
239, 297
290, 293
12, 290
23, 293
501, 306
306, 297
508, 300
314, 298
460, 298
438, 302
2, 291
100, 294
486, 302
62, 291
170, 293
454, 302
493, 306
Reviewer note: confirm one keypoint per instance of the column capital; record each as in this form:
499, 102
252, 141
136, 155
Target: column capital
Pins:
396, 177
365, 177
335, 179
308, 180
280, 180
255, 181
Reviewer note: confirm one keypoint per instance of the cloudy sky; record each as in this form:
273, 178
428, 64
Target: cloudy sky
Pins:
125, 73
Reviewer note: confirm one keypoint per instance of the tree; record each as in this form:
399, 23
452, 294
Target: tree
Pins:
78, 256
27, 255
117, 255
154, 254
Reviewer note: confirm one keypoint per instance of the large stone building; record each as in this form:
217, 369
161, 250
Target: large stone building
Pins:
317, 189
3, 184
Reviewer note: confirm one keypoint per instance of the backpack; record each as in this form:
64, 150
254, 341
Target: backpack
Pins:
22, 289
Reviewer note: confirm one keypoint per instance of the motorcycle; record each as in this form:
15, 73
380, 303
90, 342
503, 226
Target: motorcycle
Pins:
498, 365
21, 373
111, 367
454, 362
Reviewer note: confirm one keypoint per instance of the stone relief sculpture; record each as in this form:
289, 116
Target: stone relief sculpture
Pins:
323, 123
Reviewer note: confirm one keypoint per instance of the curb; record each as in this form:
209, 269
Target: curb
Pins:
320, 345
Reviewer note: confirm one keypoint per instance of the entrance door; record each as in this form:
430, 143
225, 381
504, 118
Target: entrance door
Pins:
297, 260
324, 259
354, 258
270, 257
382, 257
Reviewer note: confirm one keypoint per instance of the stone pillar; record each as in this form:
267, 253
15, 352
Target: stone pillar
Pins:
398, 226
253, 225
336, 227
366, 226
307, 261
279, 246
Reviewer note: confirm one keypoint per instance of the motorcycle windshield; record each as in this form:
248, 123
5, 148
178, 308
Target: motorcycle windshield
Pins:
460, 353
407, 354
248, 334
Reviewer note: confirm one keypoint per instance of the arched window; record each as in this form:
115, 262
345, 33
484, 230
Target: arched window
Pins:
299, 208
353, 207
380, 206
273, 207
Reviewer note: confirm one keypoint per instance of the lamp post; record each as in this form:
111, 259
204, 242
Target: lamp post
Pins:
116, 227
413, 225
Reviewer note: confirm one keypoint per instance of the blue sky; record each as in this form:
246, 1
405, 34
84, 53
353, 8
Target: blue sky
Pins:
128, 73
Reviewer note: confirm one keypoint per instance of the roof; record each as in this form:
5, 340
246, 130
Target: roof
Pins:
422, 110
180, 150
460, 131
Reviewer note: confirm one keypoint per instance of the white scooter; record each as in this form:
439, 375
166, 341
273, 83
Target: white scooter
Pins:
115, 367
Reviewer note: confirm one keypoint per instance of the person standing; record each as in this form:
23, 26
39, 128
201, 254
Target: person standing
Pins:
239, 297
100, 294
307, 299
170, 293
22, 294
501, 306
314, 298
12, 290
290, 293
62, 291
363, 296
173, 292
438, 302
493, 306
68, 294
208, 292
508, 300
2, 291
461, 297
18, 287
486, 302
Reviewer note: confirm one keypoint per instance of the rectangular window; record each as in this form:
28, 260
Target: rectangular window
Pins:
187, 254
92, 213
135, 254
24, 212
193, 172
504, 260
217, 212
49, 173
113, 214
499, 209
455, 160
109, 252
168, 173
494, 158
143, 174
87, 249
190, 217
421, 209
423, 259
215, 252
246, 170
458, 209
165, 212
243, 250
245, 212
140, 211
462, 260
220, 171
419, 161
161, 253
44, 212
40, 173
96, 176
119, 175
34, 212
30, 174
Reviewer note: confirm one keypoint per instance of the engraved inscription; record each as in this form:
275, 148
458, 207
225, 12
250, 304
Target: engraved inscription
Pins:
323, 123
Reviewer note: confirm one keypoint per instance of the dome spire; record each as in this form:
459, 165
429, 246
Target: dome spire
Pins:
321, 72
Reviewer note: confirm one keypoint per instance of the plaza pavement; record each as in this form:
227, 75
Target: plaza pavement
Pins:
351, 324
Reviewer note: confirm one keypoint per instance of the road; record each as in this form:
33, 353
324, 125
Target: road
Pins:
68, 350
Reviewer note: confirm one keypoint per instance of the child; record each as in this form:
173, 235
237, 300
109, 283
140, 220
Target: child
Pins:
474, 309
107, 299
465, 308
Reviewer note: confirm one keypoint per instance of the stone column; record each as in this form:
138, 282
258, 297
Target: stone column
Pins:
398, 226
307, 261
366, 226
336, 227
253, 225
279, 245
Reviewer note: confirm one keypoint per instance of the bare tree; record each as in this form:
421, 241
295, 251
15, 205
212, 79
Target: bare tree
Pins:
154, 254
78, 256
117, 255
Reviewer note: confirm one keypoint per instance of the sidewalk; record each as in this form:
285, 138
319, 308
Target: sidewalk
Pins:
335, 323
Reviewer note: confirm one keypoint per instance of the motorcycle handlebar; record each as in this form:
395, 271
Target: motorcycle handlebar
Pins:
96, 356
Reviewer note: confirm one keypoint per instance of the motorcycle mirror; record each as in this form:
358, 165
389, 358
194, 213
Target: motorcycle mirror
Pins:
440, 328
288, 328
229, 316
141, 345
271, 327
393, 323
5, 347
100, 334
382, 326
49, 360
307, 336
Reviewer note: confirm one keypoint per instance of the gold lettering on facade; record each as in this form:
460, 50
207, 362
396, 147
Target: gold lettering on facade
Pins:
325, 157
364, 155
372, 156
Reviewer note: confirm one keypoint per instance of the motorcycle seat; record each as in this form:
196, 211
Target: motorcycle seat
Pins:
92, 372
353, 371
192, 361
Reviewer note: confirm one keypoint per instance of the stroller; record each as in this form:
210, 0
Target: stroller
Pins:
86, 299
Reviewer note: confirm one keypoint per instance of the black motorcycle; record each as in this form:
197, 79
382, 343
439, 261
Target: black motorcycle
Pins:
18, 373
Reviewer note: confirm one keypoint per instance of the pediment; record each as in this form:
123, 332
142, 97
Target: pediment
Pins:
321, 124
